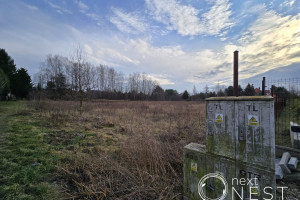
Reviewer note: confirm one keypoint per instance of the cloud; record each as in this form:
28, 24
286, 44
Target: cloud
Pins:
186, 21
82, 6
40, 36
31, 7
181, 66
127, 22
114, 57
287, 3
84, 9
59, 9
271, 42
161, 79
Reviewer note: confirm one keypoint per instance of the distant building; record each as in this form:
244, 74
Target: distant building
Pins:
258, 92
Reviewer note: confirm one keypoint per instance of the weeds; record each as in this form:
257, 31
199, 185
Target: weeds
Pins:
116, 149
135, 151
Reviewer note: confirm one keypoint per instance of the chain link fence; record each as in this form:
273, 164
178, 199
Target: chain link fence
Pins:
286, 96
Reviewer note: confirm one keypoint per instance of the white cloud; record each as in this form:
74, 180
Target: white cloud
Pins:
127, 22
88, 49
171, 60
114, 57
31, 7
161, 79
270, 43
59, 9
95, 17
185, 19
82, 6
287, 3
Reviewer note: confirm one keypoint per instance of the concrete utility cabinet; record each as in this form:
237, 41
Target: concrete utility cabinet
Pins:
240, 144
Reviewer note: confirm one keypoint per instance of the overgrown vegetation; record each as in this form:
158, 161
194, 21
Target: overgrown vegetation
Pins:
127, 150
113, 150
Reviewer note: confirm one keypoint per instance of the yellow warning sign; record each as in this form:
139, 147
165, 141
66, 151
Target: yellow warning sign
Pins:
194, 167
254, 190
219, 118
253, 120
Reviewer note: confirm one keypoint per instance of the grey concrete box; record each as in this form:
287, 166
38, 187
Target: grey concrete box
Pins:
246, 129
194, 154
260, 181
240, 144
225, 167
230, 169
194, 169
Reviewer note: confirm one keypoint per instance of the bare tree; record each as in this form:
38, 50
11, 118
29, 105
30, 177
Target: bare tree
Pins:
79, 68
194, 90
100, 77
111, 77
120, 82
79, 77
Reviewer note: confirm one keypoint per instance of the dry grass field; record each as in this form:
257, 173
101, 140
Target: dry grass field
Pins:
113, 150
121, 149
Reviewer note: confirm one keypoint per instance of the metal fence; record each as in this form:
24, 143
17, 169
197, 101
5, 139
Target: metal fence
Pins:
286, 93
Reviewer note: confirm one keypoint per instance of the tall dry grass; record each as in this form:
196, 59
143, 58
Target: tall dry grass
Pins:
144, 159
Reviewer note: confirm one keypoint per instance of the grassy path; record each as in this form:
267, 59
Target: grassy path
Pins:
26, 161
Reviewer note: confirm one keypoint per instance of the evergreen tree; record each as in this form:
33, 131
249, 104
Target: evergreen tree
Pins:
229, 91
158, 93
3, 82
185, 95
249, 90
8, 70
21, 83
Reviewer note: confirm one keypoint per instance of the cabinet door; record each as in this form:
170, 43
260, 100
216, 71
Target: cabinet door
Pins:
220, 136
255, 133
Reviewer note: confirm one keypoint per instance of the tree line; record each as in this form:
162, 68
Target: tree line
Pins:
14, 83
68, 78
76, 78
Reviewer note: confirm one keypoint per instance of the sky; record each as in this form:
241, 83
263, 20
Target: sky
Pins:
178, 43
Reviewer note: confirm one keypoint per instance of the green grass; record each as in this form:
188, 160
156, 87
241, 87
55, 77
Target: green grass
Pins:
26, 161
